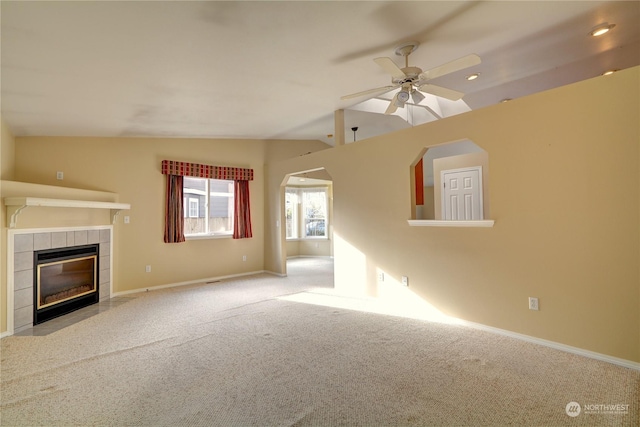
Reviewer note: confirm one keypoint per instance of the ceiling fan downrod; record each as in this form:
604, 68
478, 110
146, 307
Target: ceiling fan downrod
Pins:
405, 50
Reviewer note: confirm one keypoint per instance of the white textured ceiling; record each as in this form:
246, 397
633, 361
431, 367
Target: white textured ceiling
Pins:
277, 69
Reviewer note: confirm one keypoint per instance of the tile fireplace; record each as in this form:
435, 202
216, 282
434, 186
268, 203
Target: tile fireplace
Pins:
76, 262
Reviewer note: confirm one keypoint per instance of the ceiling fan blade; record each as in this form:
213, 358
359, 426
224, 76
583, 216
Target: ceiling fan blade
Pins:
450, 67
390, 67
378, 90
442, 92
392, 105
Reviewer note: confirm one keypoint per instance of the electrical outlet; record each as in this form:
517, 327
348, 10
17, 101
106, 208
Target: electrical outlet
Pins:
147, 269
381, 276
126, 219
405, 281
244, 257
60, 175
533, 303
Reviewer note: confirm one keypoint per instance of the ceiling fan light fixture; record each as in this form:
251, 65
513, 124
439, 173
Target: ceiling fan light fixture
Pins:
601, 29
402, 97
417, 97
412, 80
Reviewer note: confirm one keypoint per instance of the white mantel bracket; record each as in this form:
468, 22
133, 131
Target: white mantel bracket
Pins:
15, 205
114, 215
14, 215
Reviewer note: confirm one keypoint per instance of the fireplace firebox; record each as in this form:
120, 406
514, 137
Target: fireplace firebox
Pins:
65, 280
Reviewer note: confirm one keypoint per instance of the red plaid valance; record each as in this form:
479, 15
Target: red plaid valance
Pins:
170, 167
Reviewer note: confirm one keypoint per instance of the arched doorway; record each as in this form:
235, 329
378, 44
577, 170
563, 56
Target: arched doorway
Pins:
307, 206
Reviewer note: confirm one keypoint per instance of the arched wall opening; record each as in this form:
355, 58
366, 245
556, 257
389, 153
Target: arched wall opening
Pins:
307, 214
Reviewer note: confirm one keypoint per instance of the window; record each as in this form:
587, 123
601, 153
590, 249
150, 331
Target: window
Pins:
208, 206
224, 202
194, 207
292, 202
306, 212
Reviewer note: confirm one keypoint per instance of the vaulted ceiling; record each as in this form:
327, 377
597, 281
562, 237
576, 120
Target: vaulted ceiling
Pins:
270, 69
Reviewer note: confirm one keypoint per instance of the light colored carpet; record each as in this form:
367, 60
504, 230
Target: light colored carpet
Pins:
235, 354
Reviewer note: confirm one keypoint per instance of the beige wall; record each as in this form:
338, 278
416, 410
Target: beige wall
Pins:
428, 210
7, 165
312, 247
7, 152
130, 168
560, 165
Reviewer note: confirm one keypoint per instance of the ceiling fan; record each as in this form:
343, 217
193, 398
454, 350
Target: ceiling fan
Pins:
413, 81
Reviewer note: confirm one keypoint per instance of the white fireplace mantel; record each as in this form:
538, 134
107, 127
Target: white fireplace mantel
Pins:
15, 205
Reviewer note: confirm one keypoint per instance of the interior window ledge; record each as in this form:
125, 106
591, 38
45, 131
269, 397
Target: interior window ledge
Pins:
443, 223
208, 236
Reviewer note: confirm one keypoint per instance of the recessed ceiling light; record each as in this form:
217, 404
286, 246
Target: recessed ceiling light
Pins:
609, 72
505, 100
601, 29
472, 76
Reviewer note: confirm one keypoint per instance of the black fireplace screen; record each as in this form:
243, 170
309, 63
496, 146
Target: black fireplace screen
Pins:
65, 279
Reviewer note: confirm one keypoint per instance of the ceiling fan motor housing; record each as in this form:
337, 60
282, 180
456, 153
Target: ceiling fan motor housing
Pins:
411, 75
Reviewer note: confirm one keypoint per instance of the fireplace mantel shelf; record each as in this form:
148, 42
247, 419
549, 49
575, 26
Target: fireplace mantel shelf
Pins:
17, 204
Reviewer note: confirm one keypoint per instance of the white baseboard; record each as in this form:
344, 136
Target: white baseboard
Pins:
190, 282
310, 256
555, 345
274, 273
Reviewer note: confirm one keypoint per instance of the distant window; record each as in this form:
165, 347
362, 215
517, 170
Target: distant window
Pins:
194, 207
292, 209
209, 205
306, 212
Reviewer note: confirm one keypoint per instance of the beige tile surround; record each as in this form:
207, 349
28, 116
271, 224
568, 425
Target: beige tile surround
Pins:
24, 246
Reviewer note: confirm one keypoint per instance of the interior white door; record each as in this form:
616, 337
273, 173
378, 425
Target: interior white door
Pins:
462, 194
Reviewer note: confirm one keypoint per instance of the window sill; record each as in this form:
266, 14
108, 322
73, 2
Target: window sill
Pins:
208, 236
442, 223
